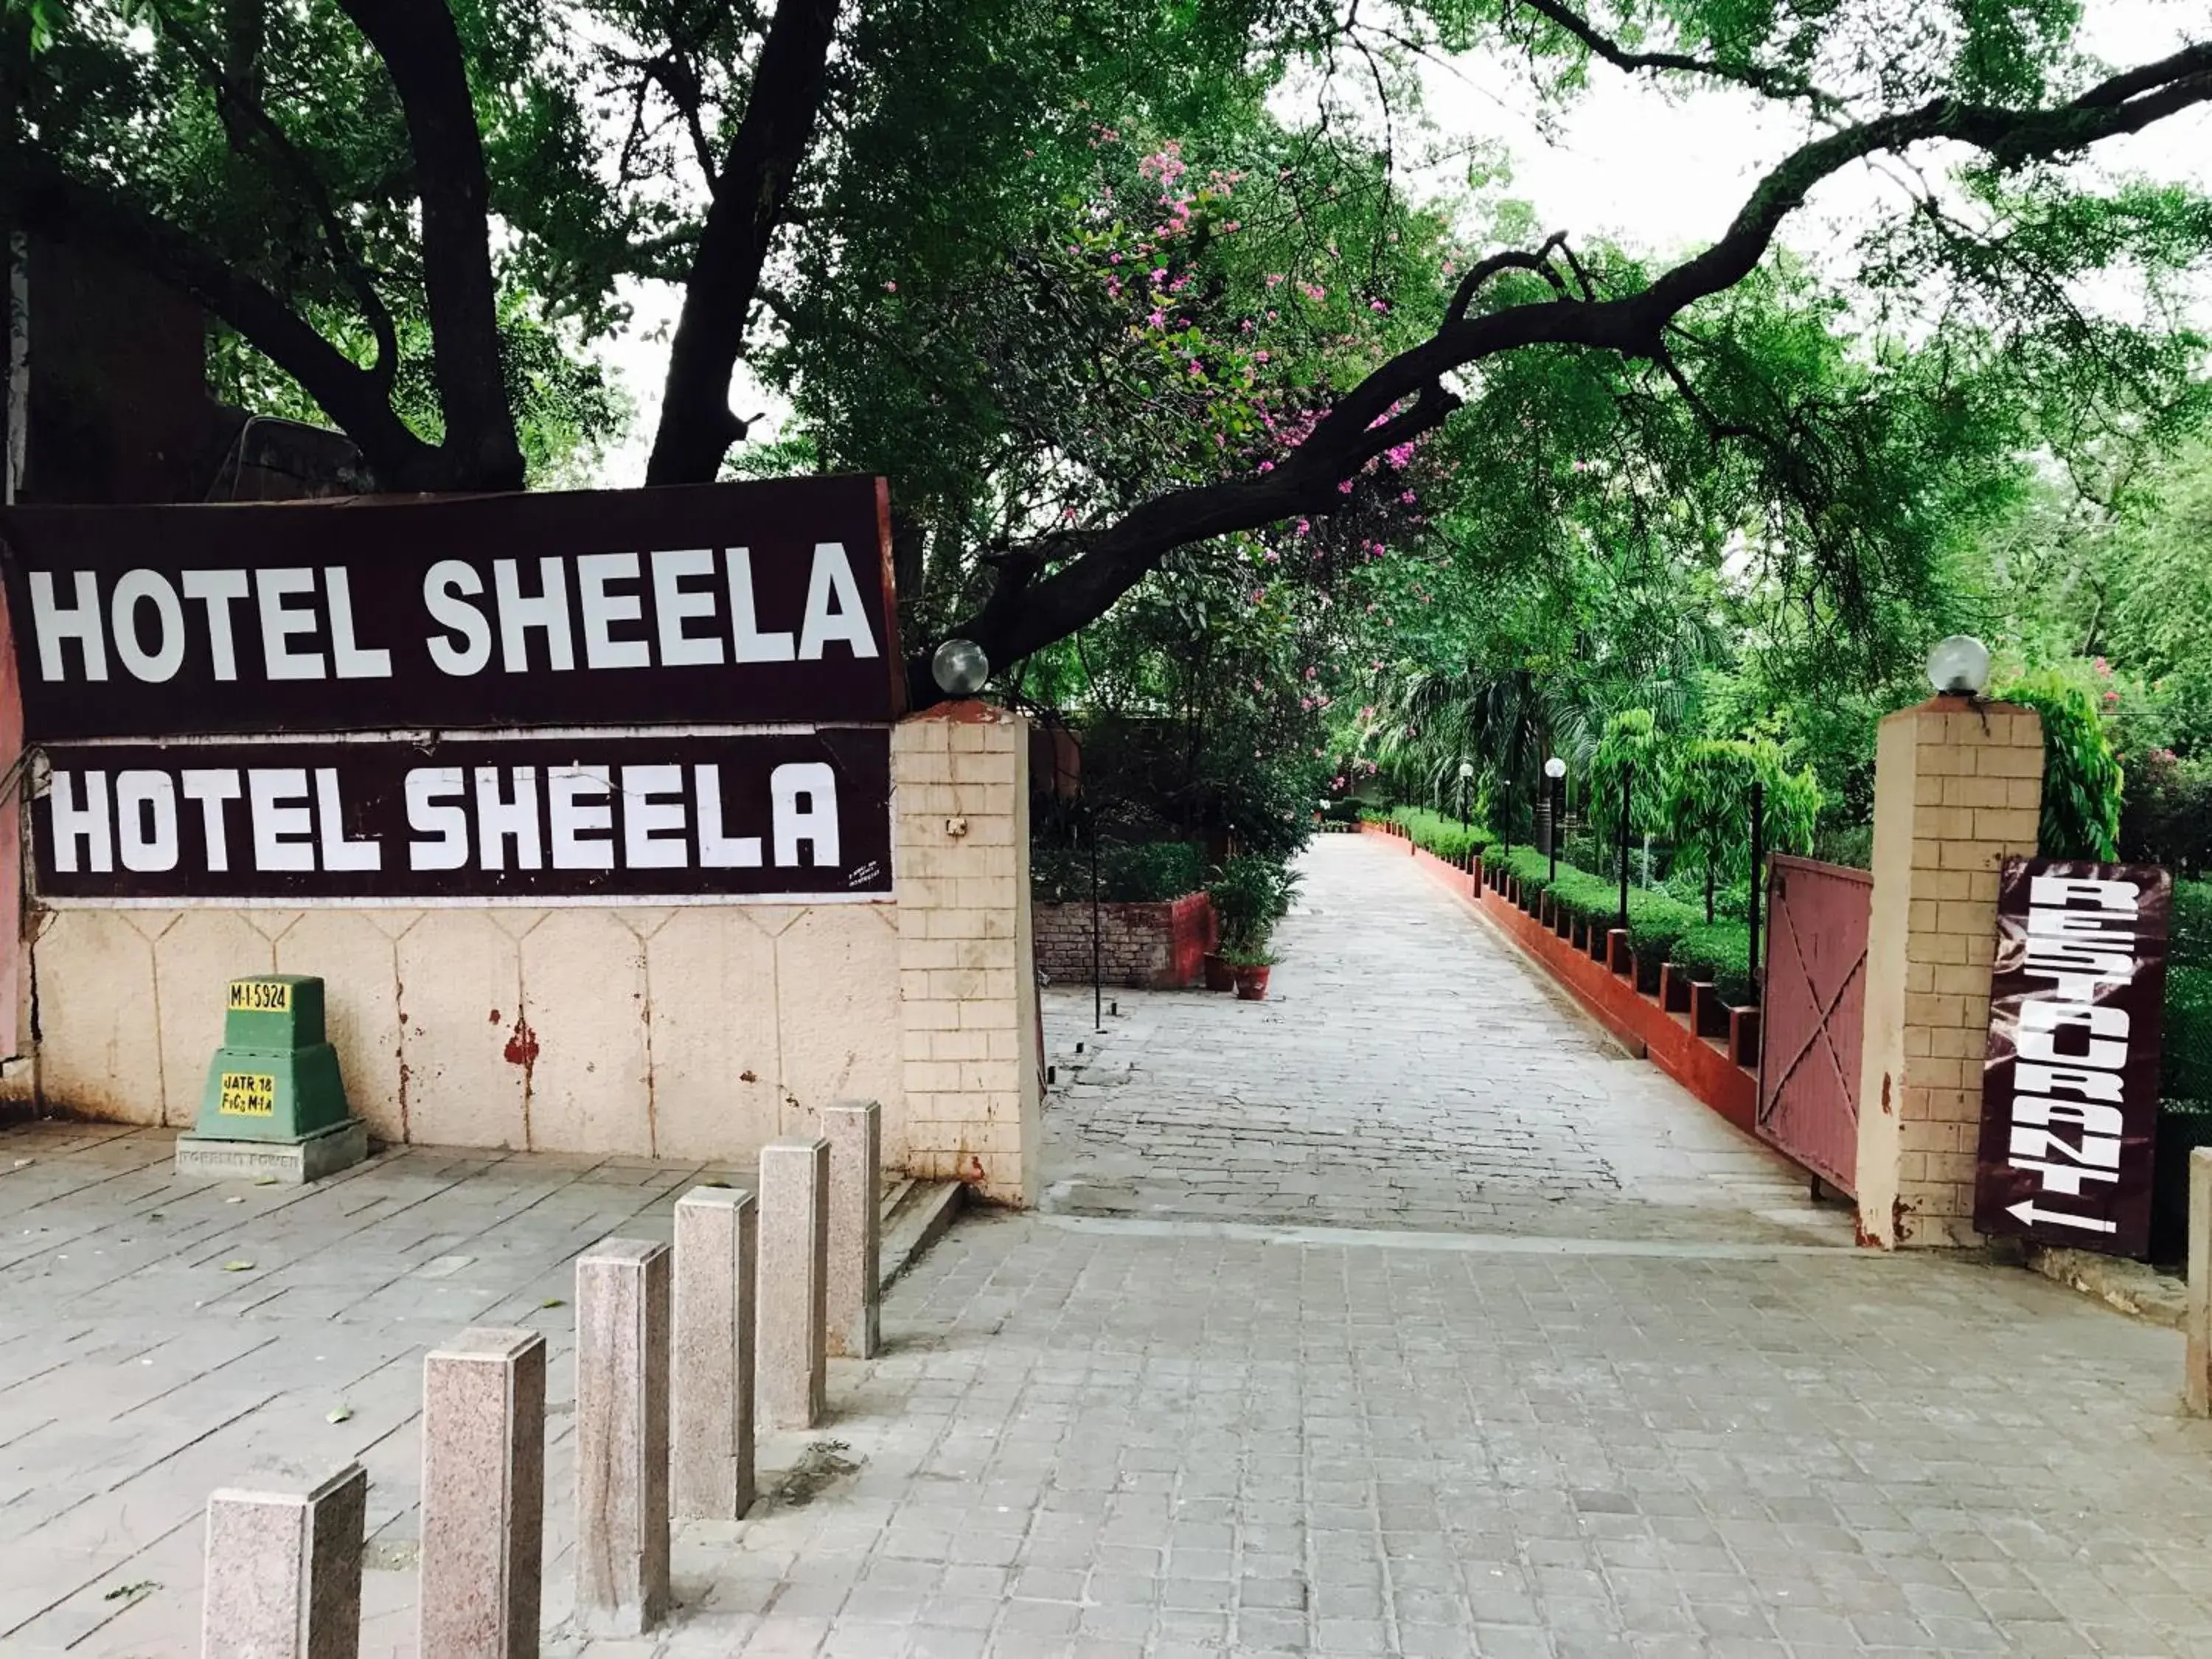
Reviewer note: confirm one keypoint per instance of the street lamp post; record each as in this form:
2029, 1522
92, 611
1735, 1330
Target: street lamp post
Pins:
1465, 782
1556, 770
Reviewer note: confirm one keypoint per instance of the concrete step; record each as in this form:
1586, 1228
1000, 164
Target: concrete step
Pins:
915, 1214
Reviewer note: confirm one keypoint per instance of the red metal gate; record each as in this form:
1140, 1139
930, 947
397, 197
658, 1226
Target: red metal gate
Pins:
1814, 1014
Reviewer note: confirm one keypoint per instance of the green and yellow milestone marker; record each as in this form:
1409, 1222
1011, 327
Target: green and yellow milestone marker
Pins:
274, 1104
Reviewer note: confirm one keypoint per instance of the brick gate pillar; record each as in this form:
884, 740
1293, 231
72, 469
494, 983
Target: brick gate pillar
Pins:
1958, 790
968, 1007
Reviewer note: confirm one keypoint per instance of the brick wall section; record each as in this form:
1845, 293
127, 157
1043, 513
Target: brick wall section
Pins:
1156, 946
968, 1001
1957, 791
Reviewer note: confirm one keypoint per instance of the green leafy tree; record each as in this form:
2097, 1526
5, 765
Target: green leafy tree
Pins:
1708, 795
2081, 778
896, 185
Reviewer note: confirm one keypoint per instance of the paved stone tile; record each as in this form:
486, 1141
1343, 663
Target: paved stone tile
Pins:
1409, 1069
1608, 1392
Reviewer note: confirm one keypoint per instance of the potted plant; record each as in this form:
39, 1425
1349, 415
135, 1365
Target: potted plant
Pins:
1250, 964
1245, 892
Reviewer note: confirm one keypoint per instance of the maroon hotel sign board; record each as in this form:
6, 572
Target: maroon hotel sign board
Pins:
678, 693
2070, 1086
740, 604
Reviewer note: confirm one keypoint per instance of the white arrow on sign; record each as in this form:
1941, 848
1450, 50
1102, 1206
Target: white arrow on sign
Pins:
2029, 1215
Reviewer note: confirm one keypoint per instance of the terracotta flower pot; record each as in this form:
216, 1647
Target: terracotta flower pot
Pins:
1251, 984
1220, 975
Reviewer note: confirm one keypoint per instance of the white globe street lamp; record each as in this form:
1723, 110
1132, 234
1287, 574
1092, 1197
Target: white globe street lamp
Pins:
959, 667
1959, 667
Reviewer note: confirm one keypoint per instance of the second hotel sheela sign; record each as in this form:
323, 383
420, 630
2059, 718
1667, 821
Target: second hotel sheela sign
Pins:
679, 694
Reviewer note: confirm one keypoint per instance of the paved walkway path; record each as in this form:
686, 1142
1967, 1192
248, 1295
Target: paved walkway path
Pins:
1564, 1410
1409, 1068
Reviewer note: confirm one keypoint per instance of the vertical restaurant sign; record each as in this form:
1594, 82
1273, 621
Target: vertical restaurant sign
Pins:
706, 605
2069, 1083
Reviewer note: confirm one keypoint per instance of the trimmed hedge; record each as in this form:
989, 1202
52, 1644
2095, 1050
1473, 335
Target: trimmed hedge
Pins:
2191, 943
1660, 928
1719, 951
1527, 866
1141, 873
1434, 832
2187, 1058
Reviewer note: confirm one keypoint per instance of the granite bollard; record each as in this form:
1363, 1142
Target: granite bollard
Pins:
854, 1129
621, 1436
2197, 1322
484, 1495
284, 1571
711, 1372
794, 1264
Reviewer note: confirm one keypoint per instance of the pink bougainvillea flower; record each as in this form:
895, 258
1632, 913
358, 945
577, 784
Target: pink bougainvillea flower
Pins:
890, 288
1305, 525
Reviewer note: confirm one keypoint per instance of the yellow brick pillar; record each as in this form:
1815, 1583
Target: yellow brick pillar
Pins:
1957, 789
968, 995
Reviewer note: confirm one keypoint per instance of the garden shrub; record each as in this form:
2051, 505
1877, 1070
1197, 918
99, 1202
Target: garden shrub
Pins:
1129, 872
1440, 834
1657, 923
2190, 944
1586, 898
1530, 868
1719, 951
2081, 780
2186, 1060
1250, 892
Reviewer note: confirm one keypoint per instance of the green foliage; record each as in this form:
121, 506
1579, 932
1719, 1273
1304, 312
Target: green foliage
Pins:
1719, 951
1708, 807
2190, 941
1249, 892
1144, 873
1530, 869
1438, 833
2166, 816
2081, 779
2185, 1070
1632, 756
1657, 922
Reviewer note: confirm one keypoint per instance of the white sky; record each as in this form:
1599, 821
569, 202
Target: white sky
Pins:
1658, 173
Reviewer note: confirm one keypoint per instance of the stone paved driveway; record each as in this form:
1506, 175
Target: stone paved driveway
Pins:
1140, 1441
1616, 1394
1408, 1069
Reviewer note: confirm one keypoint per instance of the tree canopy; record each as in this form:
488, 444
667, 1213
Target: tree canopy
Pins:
1107, 291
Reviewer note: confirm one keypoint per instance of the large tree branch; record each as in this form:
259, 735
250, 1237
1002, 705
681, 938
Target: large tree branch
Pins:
1119, 556
1774, 82
421, 51
233, 85
751, 194
49, 203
